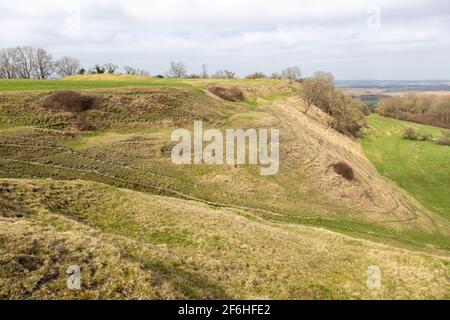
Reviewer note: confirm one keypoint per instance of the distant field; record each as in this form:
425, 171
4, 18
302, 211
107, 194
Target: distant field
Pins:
371, 96
421, 168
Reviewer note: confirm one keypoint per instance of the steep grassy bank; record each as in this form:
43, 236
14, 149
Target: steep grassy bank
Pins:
135, 245
420, 167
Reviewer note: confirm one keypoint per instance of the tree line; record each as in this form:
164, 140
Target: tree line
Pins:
427, 109
34, 63
26, 62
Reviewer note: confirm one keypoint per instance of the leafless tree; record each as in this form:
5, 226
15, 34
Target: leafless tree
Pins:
224, 74
110, 67
67, 66
275, 75
177, 69
293, 73
204, 73
318, 89
256, 75
44, 64
143, 72
229, 74
130, 70
7, 63
219, 74
25, 61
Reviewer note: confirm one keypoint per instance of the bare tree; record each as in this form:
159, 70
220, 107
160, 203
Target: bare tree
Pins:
44, 64
177, 69
143, 72
25, 59
275, 75
311, 91
224, 74
98, 69
67, 66
293, 73
318, 89
204, 73
229, 74
7, 63
256, 75
130, 70
110, 67
219, 74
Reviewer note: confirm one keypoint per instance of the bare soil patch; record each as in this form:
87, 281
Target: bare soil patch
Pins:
233, 94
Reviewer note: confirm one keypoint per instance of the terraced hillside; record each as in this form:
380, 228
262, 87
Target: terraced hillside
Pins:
111, 200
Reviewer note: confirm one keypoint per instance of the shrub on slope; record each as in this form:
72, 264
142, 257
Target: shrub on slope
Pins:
68, 100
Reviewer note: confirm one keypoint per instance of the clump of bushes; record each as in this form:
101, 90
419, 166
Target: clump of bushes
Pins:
233, 94
425, 136
413, 134
410, 134
68, 100
348, 113
344, 170
427, 109
444, 139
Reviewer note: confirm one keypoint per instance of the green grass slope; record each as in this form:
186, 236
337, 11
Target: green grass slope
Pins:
201, 231
119, 81
420, 167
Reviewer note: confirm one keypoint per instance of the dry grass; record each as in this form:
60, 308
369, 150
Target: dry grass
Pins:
378, 199
144, 246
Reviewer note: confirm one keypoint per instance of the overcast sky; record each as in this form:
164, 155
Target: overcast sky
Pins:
354, 39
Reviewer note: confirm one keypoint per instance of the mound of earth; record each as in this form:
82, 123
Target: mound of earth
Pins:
68, 100
233, 94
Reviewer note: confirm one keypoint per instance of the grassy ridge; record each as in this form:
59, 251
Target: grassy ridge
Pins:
120, 81
420, 167
19, 84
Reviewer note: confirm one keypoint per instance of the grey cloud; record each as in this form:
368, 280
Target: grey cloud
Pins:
241, 35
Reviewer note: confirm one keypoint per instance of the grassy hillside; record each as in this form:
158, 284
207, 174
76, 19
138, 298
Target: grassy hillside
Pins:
134, 245
420, 167
198, 230
117, 81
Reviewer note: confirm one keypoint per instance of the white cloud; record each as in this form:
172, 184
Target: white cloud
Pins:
243, 35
